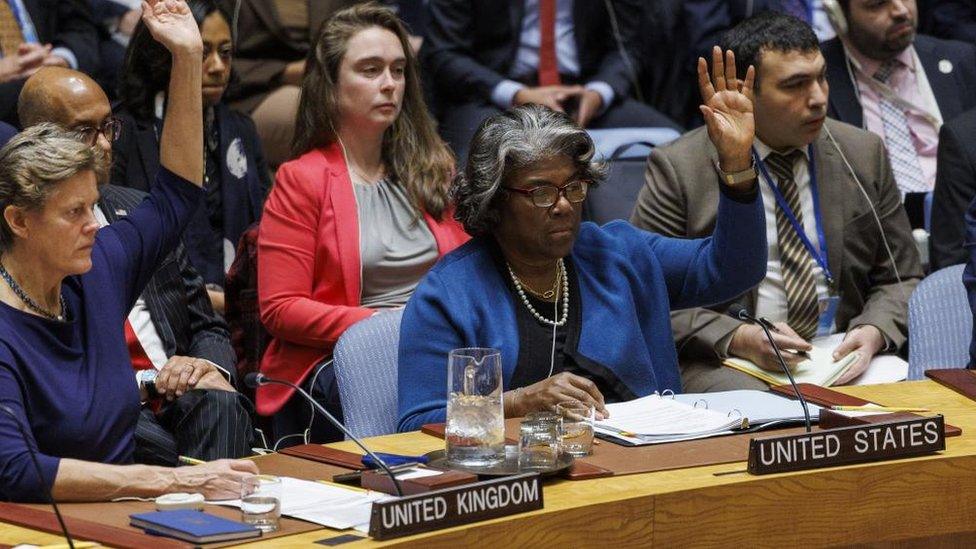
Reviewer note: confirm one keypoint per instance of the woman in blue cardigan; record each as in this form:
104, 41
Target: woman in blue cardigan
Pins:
66, 388
578, 311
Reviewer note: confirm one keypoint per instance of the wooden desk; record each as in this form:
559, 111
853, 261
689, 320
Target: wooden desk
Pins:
928, 499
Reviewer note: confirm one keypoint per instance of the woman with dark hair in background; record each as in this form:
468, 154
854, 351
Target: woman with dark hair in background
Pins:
360, 215
236, 177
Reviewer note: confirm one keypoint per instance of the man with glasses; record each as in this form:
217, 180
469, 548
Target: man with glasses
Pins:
180, 349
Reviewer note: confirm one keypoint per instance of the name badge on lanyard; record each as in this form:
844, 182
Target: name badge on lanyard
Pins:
820, 256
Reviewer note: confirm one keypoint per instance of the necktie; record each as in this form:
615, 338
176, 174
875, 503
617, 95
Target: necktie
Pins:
898, 139
797, 265
140, 360
548, 66
11, 35
796, 8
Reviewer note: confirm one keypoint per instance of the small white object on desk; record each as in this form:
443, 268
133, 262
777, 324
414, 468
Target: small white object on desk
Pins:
179, 500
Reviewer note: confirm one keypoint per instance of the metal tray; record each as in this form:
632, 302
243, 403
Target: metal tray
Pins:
438, 460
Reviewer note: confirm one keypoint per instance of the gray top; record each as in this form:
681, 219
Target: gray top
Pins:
395, 245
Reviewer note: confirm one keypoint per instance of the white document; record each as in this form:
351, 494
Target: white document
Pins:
656, 417
883, 368
325, 504
760, 407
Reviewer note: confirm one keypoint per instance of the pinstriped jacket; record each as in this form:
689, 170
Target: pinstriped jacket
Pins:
176, 296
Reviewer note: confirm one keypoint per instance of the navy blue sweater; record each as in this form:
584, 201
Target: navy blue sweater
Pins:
629, 281
71, 383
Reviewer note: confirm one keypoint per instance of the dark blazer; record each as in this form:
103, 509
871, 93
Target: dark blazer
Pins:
264, 48
679, 200
953, 91
969, 274
951, 19
955, 189
175, 296
67, 23
471, 44
136, 161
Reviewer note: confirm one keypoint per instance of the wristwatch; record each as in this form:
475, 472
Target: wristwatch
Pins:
147, 381
737, 177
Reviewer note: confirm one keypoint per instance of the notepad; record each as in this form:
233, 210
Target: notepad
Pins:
819, 369
822, 370
654, 419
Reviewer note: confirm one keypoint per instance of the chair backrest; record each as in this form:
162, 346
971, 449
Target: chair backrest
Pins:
365, 362
940, 323
625, 150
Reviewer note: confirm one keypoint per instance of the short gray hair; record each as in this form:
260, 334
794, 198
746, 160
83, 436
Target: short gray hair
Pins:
33, 162
506, 142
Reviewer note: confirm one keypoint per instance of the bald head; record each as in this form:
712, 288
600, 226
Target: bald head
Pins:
62, 96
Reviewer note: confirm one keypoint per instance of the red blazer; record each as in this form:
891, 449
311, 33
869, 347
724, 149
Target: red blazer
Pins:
309, 272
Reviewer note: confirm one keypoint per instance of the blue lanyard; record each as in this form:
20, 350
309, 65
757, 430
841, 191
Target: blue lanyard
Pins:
819, 255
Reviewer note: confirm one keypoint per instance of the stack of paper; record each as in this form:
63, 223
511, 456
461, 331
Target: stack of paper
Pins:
653, 419
759, 407
326, 504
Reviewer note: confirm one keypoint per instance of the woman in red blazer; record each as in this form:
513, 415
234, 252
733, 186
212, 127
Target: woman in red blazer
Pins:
362, 125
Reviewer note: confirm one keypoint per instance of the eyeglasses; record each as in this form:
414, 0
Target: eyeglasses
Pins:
110, 128
545, 196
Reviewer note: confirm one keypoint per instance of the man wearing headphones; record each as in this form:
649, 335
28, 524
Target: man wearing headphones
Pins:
832, 213
900, 85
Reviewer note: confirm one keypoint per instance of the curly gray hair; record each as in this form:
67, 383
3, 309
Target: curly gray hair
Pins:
34, 162
507, 142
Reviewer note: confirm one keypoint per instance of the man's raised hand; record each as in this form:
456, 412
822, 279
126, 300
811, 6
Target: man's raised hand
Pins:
728, 109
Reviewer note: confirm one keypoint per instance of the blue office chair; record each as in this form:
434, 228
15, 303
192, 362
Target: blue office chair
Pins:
625, 150
365, 362
940, 323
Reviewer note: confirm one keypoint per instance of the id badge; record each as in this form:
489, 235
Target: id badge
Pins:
828, 315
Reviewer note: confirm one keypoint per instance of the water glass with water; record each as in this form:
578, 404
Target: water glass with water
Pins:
261, 502
539, 442
475, 431
576, 427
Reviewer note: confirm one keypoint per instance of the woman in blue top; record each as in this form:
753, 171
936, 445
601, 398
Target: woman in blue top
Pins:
65, 373
578, 311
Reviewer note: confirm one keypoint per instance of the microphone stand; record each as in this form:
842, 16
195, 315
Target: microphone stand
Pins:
764, 324
40, 476
260, 379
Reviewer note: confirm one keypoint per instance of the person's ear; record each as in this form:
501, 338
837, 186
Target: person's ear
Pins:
16, 218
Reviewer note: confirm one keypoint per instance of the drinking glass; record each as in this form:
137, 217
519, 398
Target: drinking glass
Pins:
261, 501
539, 442
576, 427
475, 431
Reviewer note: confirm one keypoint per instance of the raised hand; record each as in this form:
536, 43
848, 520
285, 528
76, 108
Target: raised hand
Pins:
728, 110
172, 25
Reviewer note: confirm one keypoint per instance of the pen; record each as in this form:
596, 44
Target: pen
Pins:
186, 460
773, 327
875, 408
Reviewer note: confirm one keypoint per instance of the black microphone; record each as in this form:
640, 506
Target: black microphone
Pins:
40, 476
740, 312
254, 380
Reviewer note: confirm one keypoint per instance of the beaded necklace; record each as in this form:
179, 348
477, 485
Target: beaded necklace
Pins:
525, 300
31, 304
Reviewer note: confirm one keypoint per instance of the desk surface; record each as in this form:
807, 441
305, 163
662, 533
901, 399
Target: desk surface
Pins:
930, 498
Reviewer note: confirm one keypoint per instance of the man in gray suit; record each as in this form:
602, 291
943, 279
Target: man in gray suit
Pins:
825, 243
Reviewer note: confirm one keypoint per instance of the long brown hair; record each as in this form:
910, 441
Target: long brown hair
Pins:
413, 152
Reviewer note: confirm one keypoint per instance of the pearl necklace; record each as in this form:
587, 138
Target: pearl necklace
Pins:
31, 304
525, 300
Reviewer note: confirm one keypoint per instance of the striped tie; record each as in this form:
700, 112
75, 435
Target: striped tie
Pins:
904, 157
797, 265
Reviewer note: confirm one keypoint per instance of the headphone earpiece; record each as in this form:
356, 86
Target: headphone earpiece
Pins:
835, 13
